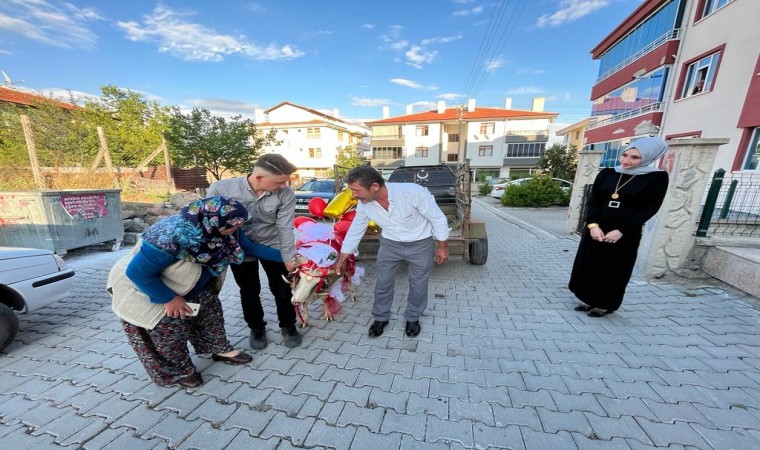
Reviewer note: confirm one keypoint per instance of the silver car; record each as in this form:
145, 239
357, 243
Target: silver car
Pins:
29, 280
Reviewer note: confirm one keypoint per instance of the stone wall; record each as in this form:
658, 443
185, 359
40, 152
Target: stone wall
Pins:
138, 217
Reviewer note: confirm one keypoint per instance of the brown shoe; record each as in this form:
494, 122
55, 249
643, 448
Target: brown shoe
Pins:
192, 381
240, 358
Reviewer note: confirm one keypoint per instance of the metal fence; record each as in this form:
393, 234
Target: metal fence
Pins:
732, 206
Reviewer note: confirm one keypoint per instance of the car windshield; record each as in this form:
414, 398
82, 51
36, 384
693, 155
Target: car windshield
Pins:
318, 186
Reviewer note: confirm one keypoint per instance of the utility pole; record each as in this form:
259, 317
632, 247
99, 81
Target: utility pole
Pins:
460, 152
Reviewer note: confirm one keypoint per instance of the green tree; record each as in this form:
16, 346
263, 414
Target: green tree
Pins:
347, 158
218, 145
132, 124
559, 161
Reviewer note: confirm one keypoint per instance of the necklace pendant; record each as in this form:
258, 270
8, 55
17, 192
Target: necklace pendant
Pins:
615, 196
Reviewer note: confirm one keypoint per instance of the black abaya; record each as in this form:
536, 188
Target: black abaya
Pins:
602, 270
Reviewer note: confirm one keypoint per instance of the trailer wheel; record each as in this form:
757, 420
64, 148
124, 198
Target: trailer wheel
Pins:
8, 326
479, 251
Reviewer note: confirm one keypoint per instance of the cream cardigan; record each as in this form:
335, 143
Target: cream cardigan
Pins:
131, 305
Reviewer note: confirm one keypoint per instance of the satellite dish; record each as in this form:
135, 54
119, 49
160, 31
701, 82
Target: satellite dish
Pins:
7, 80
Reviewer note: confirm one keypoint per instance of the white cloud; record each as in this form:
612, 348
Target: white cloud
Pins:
531, 71
570, 11
257, 8
368, 26
416, 56
69, 96
525, 90
393, 33
462, 2
5, 52
440, 40
467, 12
494, 64
194, 42
412, 84
39, 21
424, 105
363, 101
399, 45
449, 96
225, 108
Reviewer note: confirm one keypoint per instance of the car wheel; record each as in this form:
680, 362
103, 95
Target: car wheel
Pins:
8, 326
478, 251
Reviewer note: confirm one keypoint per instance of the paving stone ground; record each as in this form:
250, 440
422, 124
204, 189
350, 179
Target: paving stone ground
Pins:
503, 361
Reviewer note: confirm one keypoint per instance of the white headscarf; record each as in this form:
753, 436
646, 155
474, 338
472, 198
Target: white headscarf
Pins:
651, 149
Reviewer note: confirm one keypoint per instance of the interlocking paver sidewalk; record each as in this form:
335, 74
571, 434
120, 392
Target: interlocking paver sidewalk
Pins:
503, 361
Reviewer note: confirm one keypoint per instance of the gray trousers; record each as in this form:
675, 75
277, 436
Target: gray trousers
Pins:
419, 255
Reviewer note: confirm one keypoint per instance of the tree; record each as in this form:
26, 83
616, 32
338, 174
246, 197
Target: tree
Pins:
559, 161
132, 124
218, 145
347, 158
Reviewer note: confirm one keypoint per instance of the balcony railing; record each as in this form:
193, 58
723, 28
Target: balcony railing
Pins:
669, 36
386, 136
527, 133
652, 107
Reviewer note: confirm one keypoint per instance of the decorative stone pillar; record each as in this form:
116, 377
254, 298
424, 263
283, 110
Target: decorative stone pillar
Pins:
669, 237
588, 167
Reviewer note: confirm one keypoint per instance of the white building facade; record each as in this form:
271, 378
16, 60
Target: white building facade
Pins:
500, 142
308, 138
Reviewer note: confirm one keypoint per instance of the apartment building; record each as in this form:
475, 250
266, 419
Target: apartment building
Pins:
500, 142
574, 134
680, 68
310, 138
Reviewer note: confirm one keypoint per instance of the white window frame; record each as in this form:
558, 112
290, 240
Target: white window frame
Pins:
702, 70
485, 150
421, 152
485, 126
753, 151
713, 5
422, 130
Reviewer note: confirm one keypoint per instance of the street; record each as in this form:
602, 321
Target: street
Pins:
503, 361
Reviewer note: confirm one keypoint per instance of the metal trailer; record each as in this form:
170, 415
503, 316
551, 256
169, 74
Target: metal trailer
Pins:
61, 220
468, 240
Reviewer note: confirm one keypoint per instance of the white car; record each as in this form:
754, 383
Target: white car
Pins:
498, 189
29, 280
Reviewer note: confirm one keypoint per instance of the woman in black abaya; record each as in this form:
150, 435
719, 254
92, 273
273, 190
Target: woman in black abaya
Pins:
622, 199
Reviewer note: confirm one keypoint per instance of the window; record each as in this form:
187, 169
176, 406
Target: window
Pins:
315, 153
422, 130
485, 150
713, 5
487, 128
453, 138
341, 136
421, 152
313, 133
387, 153
700, 75
525, 149
386, 132
753, 152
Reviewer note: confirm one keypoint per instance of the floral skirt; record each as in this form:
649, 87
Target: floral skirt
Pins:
163, 350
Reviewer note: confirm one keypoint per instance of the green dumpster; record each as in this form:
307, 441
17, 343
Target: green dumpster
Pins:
60, 220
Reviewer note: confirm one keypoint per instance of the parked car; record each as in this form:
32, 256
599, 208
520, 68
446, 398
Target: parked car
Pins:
495, 181
315, 187
439, 180
29, 280
498, 189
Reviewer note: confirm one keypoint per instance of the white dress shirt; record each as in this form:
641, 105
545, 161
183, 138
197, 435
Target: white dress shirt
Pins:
412, 215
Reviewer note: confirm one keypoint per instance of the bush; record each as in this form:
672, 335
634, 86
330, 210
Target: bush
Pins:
485, 189
539, 192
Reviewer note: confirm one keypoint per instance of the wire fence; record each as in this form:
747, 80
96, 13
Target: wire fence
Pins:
732, 206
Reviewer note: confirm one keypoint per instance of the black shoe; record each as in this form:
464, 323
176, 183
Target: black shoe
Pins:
413, 328
377, 327
258, 339
192, 381
583, 308
599, 313
292, 337
240, 358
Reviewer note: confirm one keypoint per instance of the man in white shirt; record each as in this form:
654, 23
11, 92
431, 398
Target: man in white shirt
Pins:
410, 219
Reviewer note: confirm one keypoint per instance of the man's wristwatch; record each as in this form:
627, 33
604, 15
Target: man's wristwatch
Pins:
591, 226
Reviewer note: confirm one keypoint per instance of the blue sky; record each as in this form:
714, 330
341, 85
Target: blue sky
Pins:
355, 56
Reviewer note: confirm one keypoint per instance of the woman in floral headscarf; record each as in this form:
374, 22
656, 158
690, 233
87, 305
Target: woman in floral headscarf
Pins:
622, 199
183, 259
